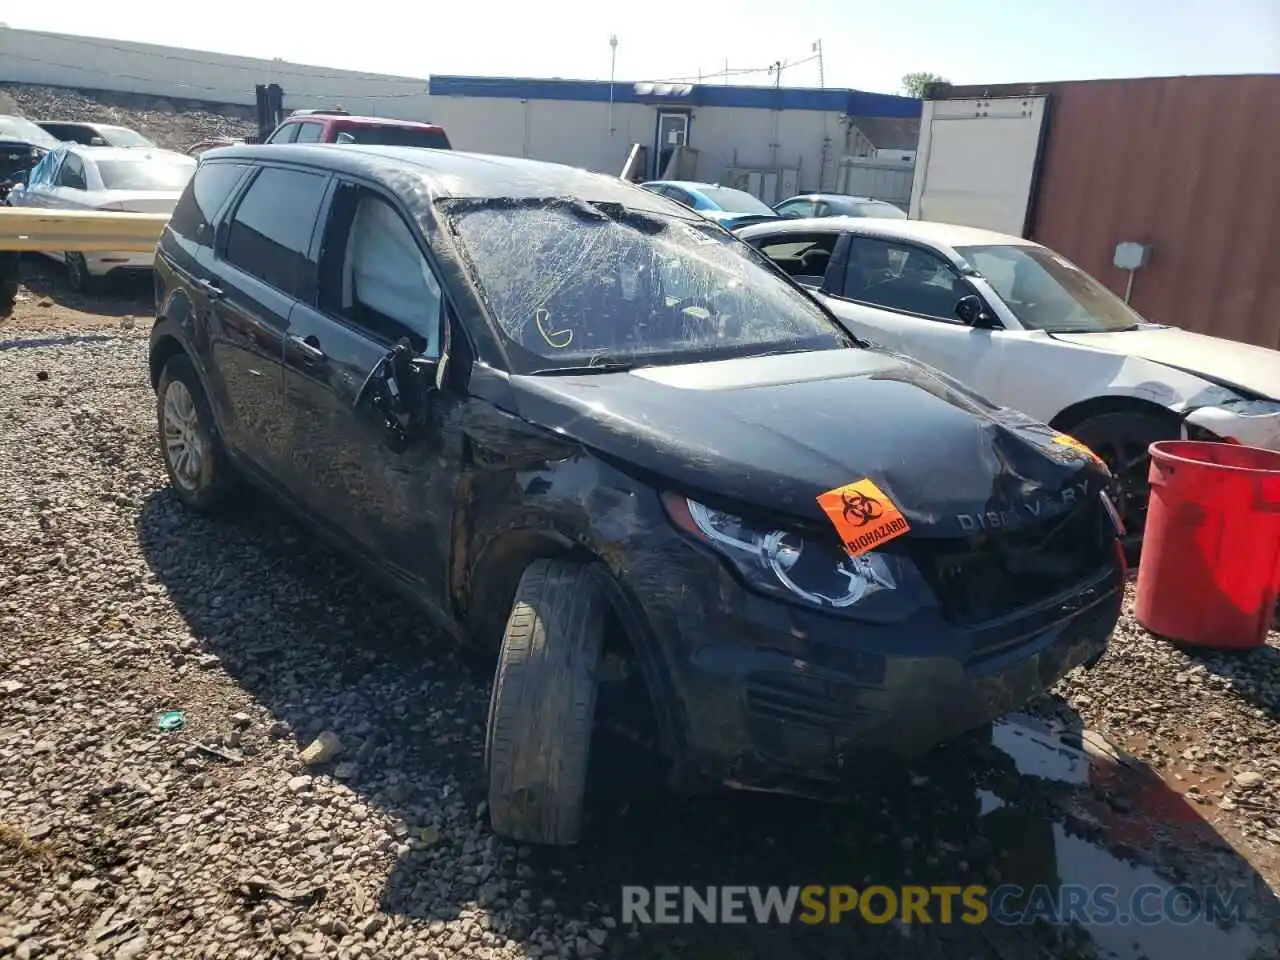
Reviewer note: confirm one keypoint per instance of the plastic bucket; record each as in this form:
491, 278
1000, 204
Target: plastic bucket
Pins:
1210, 568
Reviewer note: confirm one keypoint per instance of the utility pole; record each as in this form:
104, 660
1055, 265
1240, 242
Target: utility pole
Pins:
776, 69
822, 77
726, 71
613, 66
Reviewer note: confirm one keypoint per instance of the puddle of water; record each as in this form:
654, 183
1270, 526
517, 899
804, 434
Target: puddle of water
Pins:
1086, 864
71, 340
1139, 806
1038, 752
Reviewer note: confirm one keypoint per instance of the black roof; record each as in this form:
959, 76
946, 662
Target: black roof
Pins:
453, 173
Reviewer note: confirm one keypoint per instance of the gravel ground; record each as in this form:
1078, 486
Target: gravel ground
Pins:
173, 123
121, 840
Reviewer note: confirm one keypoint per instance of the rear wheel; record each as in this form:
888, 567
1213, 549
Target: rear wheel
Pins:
194, 456
1122, 439
543, 704
79, 279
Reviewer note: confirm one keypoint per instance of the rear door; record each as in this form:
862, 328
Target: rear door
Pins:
266, 261
377, 286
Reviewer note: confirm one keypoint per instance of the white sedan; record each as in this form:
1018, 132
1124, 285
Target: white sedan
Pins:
1029, 330
131, 179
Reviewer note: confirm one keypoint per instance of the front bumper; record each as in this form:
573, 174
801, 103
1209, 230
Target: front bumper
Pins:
1254, 423
768, 694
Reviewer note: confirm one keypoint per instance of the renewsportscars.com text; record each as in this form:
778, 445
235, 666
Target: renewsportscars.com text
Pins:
1009, 904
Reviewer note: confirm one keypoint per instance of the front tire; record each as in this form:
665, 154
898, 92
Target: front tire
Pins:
543, 704
1122, 440
193, 453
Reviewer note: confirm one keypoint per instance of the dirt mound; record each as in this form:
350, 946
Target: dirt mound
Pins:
173, 123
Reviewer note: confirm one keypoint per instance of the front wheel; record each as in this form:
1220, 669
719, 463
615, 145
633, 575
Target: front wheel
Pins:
543, 704
1122, 440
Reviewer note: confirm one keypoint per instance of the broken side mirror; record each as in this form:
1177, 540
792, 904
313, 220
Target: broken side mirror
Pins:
398, 391
972, 312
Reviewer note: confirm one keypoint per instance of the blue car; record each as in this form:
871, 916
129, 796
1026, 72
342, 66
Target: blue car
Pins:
726, 206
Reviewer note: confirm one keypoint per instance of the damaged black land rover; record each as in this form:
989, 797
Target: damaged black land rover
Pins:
576, 422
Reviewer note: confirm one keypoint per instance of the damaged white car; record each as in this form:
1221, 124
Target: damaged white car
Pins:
1032, 331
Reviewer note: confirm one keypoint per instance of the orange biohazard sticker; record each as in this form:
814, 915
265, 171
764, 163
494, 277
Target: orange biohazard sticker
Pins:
863, 515
1074, 444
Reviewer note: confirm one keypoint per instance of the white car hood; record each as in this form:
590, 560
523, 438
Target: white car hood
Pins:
1252, 368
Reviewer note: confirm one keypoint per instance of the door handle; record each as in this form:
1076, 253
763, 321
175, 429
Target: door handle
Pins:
211, 291
309, 346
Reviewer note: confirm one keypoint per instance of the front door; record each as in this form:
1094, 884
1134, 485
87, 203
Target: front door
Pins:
377, 287
903, 297
673, 132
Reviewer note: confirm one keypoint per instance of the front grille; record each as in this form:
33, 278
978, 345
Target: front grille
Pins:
990, 575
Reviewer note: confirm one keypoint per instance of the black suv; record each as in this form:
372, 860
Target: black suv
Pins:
578, 423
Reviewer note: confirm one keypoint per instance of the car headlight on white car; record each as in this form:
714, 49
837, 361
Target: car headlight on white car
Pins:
817, 572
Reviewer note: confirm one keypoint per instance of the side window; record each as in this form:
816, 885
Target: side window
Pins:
201, 200
903, 278
374, 274
797, 209
286, 134
40, 170
270, 233
72, 173
800, 254
309, 132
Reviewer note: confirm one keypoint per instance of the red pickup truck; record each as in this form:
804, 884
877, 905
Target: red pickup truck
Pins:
335, 126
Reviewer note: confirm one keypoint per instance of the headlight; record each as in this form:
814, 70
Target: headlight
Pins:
817, 572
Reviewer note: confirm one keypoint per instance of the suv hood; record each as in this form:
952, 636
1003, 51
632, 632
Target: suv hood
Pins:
774, 433
1226, 362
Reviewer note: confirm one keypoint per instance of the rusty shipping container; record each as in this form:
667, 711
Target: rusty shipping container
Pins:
1190, 165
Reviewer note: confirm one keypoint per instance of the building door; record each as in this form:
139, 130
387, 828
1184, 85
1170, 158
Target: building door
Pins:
673, 132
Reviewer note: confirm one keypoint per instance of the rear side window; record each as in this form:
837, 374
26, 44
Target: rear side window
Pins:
201, 200
286, 134
270, 233
391, 136
310, 132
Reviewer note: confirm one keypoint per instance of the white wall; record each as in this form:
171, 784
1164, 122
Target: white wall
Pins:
578, 133
573, 132
29, 56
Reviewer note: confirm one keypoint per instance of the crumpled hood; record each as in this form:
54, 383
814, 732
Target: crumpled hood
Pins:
1253, 368
776, 432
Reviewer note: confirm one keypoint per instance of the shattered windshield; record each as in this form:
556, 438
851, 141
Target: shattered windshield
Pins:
1048, 292
571, 284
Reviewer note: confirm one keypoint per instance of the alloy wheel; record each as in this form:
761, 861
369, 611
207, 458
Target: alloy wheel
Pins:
184, 442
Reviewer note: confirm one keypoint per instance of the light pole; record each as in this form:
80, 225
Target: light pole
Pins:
613, 65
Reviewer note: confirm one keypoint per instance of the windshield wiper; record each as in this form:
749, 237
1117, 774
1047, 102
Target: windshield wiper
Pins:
601, 365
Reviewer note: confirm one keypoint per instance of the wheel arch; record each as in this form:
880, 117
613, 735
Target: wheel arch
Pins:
491, 585
1083, 410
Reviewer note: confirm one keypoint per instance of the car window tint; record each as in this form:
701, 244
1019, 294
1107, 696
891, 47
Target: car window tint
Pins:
375, 274
902, 277
271, 231
309, 132
202, 198
72, 173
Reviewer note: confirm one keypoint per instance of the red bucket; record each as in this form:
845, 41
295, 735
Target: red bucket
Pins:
1210, 569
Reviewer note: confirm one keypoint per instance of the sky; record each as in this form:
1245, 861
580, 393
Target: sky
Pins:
867, 46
